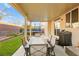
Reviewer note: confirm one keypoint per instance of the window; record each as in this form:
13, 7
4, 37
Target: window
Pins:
75, 15
68, 18
72, 19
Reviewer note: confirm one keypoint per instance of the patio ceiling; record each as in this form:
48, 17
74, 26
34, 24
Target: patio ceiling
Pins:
43, 11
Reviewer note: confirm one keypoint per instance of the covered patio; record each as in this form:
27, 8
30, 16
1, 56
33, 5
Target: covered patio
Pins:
49, 20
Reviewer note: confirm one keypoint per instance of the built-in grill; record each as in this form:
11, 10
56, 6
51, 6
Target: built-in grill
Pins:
65, 38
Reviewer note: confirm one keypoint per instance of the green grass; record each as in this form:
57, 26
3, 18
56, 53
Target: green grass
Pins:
8, 47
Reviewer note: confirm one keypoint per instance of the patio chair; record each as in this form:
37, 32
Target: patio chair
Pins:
52, 46
24, 43
38, 50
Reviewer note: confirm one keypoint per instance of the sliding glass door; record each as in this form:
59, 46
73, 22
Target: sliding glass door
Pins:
57, 27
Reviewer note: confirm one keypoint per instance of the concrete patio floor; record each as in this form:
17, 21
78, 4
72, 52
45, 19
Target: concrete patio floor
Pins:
59, 51
19, 52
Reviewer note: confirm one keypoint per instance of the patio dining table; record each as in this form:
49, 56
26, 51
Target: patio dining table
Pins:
35, 40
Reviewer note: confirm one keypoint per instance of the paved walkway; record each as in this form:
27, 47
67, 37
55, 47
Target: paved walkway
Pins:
3, 38
19, 52
59, 51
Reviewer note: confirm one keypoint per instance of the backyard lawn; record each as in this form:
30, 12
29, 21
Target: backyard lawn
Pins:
8, 47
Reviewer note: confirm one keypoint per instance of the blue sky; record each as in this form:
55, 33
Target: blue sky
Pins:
9, 15
12, 16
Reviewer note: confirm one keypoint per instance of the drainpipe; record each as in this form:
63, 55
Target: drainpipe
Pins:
71, 20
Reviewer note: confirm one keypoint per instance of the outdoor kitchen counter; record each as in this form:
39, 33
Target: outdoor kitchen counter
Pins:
72, 51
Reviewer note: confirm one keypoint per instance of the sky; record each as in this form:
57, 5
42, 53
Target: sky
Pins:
9, 15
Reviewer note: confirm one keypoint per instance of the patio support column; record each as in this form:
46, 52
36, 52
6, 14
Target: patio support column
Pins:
30, 29
49, 27
52, 27
25, 29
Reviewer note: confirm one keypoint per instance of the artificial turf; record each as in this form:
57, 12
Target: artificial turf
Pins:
8, 47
